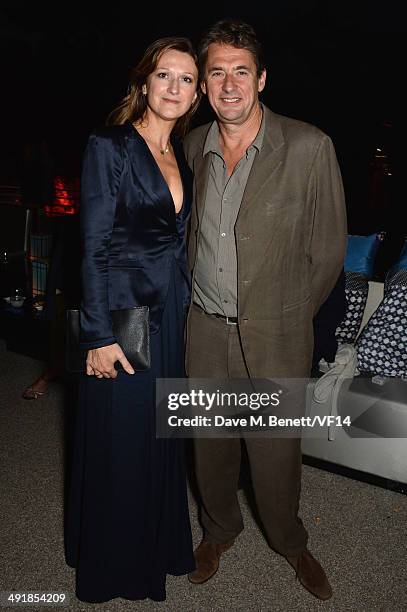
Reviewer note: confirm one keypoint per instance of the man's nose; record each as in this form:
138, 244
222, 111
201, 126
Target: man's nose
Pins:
228, 82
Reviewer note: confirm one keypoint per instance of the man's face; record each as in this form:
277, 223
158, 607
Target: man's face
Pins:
231, 83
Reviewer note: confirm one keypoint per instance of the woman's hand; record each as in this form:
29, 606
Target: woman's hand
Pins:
100, 361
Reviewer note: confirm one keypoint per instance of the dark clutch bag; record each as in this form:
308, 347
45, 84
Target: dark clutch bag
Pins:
131, 329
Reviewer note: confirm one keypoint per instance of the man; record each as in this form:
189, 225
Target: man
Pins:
267, 244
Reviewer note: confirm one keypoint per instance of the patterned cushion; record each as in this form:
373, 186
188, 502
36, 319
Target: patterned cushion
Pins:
395, 278
357, 288
382, 345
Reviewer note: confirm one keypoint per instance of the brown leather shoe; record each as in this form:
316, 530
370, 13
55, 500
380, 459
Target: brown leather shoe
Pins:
311, 575
207, 557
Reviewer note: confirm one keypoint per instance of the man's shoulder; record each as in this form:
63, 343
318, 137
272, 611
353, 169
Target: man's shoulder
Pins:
195, 139
301, 138
297, 129
198, 134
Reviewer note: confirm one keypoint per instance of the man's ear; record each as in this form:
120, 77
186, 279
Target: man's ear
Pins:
262, 81
203, 87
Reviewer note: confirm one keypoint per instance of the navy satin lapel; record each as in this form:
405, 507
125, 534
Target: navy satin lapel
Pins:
149, 173
186, 179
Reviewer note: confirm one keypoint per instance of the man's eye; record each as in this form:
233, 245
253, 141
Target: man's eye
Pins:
242, 73
216, 73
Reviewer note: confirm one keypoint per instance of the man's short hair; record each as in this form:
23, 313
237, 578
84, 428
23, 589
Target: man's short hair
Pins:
235, 33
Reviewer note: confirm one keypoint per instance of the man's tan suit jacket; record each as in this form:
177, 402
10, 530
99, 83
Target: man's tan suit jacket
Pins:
290, 241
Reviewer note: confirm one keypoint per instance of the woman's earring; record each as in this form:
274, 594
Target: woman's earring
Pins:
144, 90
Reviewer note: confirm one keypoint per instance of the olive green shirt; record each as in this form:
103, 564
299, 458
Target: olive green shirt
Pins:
215, 279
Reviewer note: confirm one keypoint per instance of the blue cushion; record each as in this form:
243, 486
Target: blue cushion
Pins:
401, 263
360, 254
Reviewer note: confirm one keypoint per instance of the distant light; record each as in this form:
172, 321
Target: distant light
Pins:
66, 198
379, 150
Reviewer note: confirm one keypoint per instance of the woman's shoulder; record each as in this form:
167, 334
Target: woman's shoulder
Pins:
110, 133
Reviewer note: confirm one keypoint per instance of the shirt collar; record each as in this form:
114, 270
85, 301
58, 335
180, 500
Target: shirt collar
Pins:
212, 137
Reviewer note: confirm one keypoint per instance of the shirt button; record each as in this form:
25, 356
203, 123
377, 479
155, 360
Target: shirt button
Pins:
220, 269
223, 234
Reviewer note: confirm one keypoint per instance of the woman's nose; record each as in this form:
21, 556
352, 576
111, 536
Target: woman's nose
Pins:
173, 85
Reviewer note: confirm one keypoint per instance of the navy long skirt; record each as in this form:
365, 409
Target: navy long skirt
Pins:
127, 523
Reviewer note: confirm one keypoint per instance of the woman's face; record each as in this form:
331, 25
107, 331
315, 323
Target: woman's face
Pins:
171, 88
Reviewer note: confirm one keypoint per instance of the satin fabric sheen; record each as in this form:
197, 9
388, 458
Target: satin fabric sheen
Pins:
129, 231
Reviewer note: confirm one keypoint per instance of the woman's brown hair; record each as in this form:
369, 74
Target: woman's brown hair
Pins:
134, 105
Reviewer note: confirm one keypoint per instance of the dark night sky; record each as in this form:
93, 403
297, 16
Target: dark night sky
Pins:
339, 65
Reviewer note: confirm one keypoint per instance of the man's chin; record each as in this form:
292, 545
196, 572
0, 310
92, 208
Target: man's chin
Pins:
230, 116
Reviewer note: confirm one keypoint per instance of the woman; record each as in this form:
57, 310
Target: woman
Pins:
128, 523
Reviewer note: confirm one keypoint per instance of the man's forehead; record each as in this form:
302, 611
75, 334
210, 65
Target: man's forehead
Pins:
219, 54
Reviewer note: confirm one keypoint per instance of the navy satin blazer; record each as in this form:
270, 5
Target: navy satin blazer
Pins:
130, 233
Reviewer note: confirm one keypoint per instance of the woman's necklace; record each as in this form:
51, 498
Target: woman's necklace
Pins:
147, 139
167, 148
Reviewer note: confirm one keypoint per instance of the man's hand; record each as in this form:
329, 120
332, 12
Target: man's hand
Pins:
100, 361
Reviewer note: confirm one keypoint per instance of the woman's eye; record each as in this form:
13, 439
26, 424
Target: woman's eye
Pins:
162, 75
187, 79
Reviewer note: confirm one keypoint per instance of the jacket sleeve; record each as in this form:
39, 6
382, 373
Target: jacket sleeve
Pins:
101, 176
327, 240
